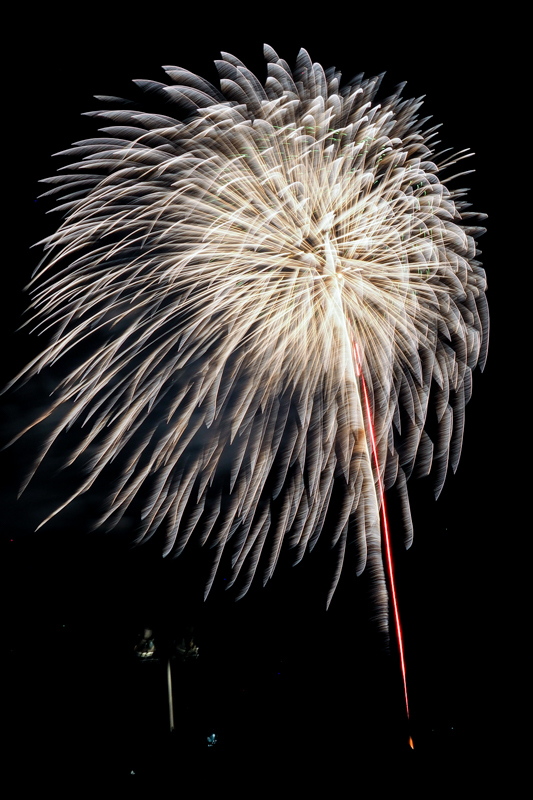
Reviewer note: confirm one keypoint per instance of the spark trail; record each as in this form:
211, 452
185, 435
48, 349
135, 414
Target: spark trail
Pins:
386, 533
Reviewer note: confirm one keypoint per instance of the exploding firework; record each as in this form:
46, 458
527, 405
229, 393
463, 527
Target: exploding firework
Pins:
263, 296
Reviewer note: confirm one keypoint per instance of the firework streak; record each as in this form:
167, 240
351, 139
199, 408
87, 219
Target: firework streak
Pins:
263, 302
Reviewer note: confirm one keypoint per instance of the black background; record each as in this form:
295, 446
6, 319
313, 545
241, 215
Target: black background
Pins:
291, 690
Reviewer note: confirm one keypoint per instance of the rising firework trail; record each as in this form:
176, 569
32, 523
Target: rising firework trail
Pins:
263, 291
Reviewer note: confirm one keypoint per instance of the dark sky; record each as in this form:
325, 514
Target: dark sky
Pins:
314, 684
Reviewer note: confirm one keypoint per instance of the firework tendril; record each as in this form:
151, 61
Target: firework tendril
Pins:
269, 292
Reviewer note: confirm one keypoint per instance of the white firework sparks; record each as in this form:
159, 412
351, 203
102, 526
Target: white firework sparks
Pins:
236, 280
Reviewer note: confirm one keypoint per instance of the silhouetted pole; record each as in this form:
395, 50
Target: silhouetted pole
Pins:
170, 703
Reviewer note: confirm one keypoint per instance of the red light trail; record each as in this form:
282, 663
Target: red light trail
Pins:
385, 525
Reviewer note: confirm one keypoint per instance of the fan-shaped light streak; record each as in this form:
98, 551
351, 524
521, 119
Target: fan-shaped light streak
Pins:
216, 266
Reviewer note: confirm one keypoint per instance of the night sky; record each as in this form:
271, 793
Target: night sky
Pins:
283, 683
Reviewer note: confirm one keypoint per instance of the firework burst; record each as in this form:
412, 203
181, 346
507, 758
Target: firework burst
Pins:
268, 294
